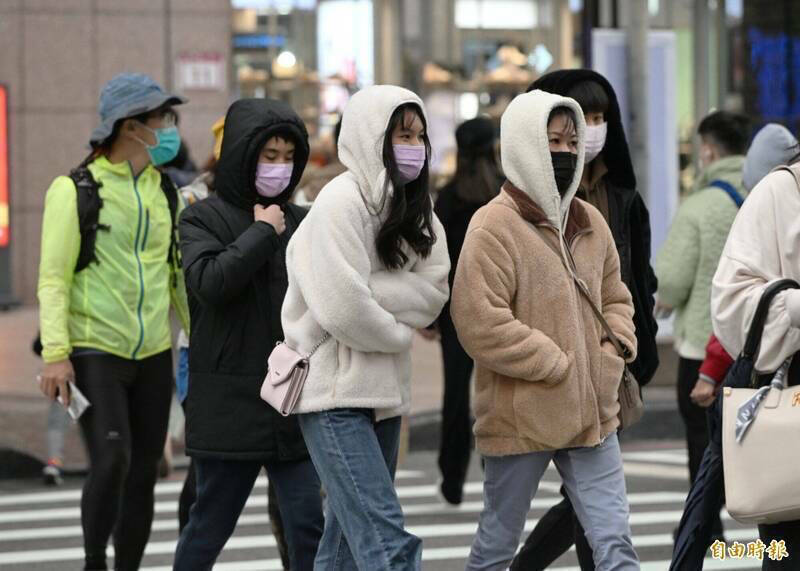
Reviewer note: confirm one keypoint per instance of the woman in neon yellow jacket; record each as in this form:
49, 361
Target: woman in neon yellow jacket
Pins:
106, 326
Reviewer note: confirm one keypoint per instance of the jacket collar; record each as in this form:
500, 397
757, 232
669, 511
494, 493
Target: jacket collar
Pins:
577, 221
592, 173
727, 168
121, 169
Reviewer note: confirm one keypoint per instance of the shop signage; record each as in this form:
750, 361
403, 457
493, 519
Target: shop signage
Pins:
200, 72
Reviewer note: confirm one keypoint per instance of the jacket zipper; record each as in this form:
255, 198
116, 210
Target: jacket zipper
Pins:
146, 227
141, 271
581, 323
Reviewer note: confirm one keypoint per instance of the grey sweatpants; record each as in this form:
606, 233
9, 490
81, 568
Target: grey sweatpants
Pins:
595, 483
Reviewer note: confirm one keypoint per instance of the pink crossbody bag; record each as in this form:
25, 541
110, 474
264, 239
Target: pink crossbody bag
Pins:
286, 374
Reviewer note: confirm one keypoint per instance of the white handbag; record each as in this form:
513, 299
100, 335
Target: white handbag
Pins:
760, 429
762, 472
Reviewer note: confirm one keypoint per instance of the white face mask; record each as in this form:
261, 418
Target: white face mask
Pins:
595, 140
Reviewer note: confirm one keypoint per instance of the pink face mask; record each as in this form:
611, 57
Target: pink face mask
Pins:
272, 179
410, 159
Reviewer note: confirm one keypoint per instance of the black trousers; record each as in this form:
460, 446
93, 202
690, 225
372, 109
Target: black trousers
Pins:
555, 533
455, 445
223, 487
694, 416
189, 496
696, 423
124, 430
788, 532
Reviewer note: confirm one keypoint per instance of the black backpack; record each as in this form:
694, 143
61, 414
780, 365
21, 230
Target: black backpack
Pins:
89, 205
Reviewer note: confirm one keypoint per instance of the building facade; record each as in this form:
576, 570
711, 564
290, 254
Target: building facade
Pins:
55, 55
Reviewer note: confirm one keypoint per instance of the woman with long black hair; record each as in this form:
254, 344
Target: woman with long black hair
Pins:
477, 180
105, 292
367, 267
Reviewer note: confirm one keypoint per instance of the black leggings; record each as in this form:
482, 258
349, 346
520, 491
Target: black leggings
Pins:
455, 447
125, 429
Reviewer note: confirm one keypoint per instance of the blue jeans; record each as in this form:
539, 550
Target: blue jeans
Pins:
223, 487
356, 460
182, 375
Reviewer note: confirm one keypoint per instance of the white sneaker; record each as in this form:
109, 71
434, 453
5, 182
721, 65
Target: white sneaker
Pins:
52, 475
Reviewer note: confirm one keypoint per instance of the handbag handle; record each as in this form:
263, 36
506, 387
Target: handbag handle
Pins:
753, 342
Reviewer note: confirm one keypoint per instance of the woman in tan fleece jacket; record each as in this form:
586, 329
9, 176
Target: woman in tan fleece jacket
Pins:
547, 377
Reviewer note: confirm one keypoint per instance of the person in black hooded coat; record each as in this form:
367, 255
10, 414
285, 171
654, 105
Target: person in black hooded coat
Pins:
609, 184
476, 181
234, 248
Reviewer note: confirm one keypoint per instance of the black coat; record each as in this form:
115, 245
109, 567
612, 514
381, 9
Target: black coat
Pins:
628, 217
455, 214
629, 221
236, 279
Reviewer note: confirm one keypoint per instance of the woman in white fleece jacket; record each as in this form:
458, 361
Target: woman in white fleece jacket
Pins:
368, 266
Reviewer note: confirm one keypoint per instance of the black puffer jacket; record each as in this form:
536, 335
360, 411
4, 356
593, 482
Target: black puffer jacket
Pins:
236, 277
628, 217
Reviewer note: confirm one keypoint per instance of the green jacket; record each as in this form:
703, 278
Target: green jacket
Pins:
121, 304
688, 260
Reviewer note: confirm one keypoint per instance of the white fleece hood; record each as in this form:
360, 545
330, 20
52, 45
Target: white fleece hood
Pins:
525, 151
364, 124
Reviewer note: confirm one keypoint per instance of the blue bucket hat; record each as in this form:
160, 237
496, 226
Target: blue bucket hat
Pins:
127, 95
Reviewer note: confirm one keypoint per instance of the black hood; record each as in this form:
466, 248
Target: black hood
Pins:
248, 125
616, 155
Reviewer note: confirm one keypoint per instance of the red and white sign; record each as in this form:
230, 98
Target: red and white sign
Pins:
200, 72
4, 218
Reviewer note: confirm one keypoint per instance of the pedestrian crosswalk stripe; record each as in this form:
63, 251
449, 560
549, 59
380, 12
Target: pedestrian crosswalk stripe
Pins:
171, 506
677, 458
31, 520
422, 531
462, 552
162, 489
160, 525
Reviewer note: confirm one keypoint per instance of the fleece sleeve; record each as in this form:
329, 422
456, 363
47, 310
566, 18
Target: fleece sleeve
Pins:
61, 244
487, 328
416, 296
329, 262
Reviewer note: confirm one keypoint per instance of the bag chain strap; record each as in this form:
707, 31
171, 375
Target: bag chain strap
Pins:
318, 345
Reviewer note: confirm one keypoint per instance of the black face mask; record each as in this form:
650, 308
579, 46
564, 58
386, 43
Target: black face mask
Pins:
564, 169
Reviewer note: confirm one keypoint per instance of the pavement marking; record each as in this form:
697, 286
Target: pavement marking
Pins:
462, 552
167, 488
162, 488
423, 531
678, 457
162, 525
171, 506
656, 471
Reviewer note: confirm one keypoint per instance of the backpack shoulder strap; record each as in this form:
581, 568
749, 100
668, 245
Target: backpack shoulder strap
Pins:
89, 204
729, 190
173, 255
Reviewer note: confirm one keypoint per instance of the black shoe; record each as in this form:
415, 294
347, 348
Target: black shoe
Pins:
451, 497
